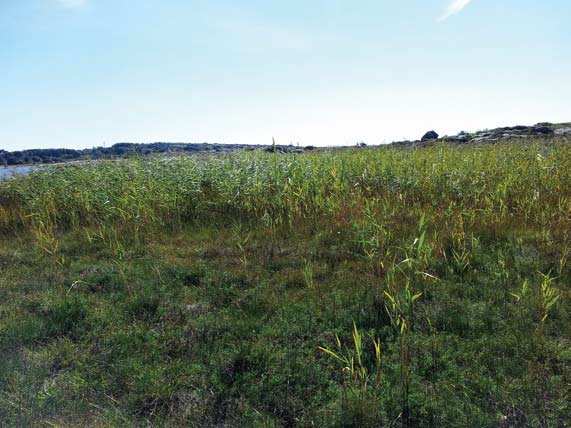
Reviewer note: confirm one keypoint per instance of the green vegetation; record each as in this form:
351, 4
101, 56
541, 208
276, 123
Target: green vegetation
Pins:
369, 287
119, 150
126, 150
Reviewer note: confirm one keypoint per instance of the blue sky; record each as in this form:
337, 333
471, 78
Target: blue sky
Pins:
83, 73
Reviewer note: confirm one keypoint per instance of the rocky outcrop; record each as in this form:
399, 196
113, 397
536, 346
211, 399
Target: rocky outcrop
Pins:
543, 129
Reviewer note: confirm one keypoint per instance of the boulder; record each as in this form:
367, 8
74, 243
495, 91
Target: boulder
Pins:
430, 135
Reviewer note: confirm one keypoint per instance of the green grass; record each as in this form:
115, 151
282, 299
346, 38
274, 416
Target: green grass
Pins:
369, 287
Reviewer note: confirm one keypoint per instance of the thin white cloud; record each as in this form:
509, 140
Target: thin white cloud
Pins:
454, 7
72, 3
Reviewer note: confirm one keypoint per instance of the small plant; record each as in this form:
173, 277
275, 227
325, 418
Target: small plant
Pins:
123, 267
400, 312
565, 252
48, 242
373, 237
363, 380
461, 259
241, 242
308, 273
549, 296
418, 255
504, 274
523, 292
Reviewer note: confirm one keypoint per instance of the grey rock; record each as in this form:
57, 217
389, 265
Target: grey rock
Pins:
563, 131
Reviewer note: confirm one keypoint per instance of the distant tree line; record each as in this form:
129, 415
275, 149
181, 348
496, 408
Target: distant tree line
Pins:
35, 156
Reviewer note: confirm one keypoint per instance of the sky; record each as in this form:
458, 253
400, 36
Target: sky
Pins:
86, 73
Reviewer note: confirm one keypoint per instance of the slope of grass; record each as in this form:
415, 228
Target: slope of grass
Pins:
350, 288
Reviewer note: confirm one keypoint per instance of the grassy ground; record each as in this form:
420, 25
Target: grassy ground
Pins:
354, 288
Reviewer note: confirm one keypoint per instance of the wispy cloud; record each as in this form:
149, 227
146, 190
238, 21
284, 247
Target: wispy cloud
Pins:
454, 7
72, 3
